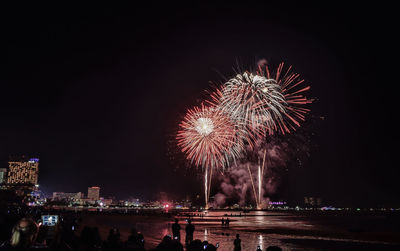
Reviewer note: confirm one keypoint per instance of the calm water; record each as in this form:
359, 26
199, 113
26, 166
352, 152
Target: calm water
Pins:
288, 231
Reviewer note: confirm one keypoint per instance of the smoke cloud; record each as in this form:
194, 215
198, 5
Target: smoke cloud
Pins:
235, 186
262, 62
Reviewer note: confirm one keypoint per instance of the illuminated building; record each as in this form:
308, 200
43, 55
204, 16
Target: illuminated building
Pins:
67, 196
93, 193
106, 202
23, 171
312, 201
3, 175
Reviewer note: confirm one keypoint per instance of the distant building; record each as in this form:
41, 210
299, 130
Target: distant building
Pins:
93, 193
105, 202
312, 201
3, 175
67, 196
23, 171
132, 202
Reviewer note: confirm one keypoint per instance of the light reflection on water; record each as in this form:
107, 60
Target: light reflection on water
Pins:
209, 228
250, 226
260, 242
205, 235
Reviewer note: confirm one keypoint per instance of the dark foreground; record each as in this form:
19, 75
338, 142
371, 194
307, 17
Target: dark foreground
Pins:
306, 230
290, 231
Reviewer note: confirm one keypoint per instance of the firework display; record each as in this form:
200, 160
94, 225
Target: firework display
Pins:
264, 102
293, 93
253, 101
207, 137
245, 109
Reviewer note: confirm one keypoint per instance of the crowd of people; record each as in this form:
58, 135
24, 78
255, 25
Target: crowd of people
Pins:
27, 234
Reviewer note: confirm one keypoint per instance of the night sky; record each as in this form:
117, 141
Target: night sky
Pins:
97, 92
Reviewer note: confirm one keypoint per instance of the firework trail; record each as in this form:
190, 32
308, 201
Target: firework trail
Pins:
208, 138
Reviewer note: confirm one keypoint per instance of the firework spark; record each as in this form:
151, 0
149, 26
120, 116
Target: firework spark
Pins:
253, 102
261, 103
293, 92
207, 137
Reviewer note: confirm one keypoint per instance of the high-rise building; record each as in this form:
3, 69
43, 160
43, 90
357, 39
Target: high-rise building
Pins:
93, 193
23, 171
67, 196
3, 175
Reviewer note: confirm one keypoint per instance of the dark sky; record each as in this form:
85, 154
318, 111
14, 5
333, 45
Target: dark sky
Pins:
96, 92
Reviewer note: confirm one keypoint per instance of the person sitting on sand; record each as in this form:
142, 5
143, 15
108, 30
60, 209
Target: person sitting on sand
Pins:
23, 236
135, 240
167, 244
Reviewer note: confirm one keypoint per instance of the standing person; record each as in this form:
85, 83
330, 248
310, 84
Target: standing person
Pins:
227, 222
189, 232
237, 243
176, 230
223, 221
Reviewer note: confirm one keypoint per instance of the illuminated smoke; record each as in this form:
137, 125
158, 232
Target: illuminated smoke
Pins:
262, 62
282, 153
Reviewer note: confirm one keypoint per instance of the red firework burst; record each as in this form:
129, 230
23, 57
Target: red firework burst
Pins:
293, 92
207, 137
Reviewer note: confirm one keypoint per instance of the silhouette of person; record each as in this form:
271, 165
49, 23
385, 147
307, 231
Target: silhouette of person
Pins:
135, 240
223, 221
133, 236
189, 232
237, 244
141, 240
210, 247
23, 236
165, 243
113, 240
227, 222
111, 236
176, 230
118, 234
168, 244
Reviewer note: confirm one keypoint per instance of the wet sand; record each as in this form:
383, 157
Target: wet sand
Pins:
290, 231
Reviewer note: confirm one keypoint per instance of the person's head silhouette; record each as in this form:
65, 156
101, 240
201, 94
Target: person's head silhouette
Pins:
24, 233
